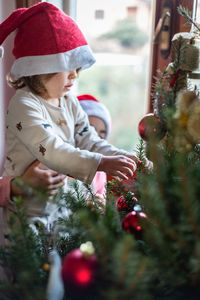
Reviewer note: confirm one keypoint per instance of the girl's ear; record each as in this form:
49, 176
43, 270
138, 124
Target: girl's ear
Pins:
1, 52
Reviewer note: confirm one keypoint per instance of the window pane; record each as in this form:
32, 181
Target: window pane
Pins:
119, 37
198, 10
58, 3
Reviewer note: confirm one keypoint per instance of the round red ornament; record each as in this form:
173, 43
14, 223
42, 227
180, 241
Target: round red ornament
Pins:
151, 128
132, 223
121, 204
78, 271
125, 205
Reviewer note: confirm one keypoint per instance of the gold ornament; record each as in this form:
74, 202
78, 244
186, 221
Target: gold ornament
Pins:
184, 101
193, 127
183, 120
187, 120
189, 54
87, 249
46, 267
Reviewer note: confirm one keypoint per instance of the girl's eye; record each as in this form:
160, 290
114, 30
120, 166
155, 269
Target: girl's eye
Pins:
78, 70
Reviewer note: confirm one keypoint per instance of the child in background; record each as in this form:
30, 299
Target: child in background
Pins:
44, 120
99, 117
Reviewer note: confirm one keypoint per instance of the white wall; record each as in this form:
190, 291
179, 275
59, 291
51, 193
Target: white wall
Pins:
6, 7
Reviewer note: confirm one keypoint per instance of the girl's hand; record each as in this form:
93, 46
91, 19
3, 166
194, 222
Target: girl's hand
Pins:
133, 157
119, 166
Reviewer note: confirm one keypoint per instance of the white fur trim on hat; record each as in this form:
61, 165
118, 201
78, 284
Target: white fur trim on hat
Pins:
1, 52
80, 57
97, 109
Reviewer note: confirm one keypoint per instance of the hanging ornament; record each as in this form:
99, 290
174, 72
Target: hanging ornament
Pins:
151, 128
46, 267
124, 204
189, 54
132, 223
121, 204
137, 207
79, 268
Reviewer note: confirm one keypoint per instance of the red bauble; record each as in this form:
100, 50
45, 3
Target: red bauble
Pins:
123, 205
151, 128
132, 223
78, 271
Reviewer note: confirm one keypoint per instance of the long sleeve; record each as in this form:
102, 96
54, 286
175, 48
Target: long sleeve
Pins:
5, 190
60, 137
32, 134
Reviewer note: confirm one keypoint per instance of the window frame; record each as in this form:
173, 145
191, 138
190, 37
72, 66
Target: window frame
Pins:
157, 62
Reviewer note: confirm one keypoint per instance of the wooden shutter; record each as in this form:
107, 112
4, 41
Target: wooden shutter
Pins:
26, 3
161, 58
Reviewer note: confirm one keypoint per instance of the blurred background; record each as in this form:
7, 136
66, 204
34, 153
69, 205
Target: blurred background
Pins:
118, 32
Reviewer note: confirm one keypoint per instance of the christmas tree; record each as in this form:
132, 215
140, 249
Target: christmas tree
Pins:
145, 242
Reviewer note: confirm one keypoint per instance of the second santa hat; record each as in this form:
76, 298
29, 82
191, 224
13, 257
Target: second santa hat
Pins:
47, 41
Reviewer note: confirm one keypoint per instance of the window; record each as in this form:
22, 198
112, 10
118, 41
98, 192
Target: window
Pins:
132, 12
196, 10
58, 3
121, 47
99, 14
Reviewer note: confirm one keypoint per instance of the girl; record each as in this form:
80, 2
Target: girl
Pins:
44, 120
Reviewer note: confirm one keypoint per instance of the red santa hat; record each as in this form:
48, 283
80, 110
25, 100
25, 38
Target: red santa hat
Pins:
47, 41
94, 107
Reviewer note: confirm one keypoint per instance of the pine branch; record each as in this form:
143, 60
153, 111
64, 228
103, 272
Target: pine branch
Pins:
185, 13
23, 258
140, 150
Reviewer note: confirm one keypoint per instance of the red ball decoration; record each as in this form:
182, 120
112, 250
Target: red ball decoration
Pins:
132, 223
78, 271
123, 205
150, 128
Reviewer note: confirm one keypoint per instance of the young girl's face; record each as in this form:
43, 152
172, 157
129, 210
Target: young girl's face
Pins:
99, 125
60, 84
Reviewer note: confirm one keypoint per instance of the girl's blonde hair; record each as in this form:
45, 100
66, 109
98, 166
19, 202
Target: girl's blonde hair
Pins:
34, 83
